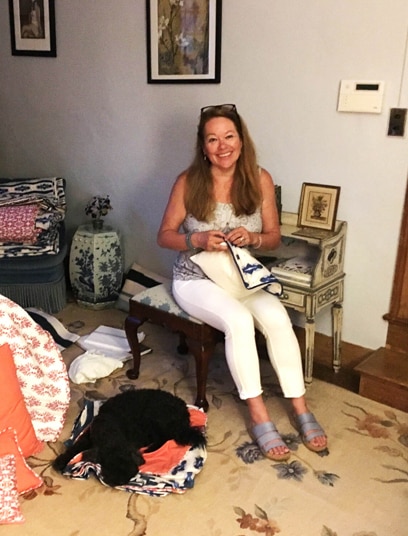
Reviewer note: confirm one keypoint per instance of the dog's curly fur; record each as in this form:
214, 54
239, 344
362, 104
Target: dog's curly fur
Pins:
126, 423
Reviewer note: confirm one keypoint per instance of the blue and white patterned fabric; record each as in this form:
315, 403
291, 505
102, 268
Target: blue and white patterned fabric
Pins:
178, 480
237, 271
254, 275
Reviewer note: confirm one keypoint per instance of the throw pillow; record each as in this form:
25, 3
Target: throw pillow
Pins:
17, 224
13, 411
27, 480
9, 506
237, 271
137, 280
40, 369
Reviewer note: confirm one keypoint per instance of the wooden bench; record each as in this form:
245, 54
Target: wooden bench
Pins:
158, 306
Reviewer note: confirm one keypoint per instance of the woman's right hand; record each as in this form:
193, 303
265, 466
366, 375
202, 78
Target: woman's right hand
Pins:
209, 240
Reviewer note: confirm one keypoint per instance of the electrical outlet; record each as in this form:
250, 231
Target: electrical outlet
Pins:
396, 125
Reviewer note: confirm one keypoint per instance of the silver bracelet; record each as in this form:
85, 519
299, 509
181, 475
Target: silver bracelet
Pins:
188, 241
259, 244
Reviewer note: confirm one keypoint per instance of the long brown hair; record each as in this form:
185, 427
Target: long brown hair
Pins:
246, 193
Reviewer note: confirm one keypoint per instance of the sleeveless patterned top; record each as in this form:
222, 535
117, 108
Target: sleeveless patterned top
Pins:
223, 219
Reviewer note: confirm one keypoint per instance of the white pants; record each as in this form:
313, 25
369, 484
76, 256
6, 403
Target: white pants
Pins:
211, 304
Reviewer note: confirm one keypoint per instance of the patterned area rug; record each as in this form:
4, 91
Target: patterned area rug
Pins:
359, 489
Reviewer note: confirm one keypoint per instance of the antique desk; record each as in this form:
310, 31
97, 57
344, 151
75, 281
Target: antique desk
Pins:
309, 264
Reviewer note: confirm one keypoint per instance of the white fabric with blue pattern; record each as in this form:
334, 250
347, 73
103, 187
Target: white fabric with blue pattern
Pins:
237, 271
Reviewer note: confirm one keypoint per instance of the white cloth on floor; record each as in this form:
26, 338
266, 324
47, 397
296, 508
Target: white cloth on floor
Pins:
90, 366
111, 342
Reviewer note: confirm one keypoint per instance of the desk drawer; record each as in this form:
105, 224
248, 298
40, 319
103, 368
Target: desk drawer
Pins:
330, 294
291, 298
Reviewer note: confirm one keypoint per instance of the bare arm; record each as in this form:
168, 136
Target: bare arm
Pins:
169, 235
174, 214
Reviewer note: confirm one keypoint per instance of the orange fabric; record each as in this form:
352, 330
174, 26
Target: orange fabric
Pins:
162, 460
13, 411
26, 478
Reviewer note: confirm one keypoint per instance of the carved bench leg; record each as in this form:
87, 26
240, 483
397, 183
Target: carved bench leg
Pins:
182, 348
202, 355
132, 324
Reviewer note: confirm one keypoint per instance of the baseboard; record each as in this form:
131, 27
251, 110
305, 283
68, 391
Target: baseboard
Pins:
351, 354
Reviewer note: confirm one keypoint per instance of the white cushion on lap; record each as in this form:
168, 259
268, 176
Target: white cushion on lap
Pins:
220, 268
237, 271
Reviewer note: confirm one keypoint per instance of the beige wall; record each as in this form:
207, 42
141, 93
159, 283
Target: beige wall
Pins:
90, 116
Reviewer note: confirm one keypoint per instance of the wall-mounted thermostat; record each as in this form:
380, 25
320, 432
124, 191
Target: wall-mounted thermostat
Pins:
364, 96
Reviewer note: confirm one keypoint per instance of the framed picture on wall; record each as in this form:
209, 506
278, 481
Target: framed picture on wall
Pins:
183, 41
318, 206
32, 28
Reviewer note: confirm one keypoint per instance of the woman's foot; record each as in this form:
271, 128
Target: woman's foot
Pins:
312, 434
269, 441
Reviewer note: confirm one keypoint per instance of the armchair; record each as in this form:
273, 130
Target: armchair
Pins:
32, 242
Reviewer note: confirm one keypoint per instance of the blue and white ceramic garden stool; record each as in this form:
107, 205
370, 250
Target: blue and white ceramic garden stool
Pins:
96, 266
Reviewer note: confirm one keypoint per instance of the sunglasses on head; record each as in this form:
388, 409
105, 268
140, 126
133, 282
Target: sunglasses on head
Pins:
220, 107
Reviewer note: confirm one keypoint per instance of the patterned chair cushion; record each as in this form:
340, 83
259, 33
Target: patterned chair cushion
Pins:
137, 280
160, 297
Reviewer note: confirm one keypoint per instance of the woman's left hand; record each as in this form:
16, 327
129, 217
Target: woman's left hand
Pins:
239, 237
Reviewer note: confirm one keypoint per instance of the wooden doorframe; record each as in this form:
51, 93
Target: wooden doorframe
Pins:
397, 335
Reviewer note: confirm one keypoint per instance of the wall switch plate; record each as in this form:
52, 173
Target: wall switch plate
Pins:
396, 125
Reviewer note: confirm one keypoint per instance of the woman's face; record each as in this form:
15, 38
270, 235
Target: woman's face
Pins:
222, 144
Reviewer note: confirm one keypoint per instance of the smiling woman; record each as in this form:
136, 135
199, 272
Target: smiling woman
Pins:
222, 144
242, 161
224, 200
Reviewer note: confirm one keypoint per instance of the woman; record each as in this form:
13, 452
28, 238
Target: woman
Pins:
224, 195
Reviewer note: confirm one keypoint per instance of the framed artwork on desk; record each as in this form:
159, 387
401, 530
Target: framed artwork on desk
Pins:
318, 206
32, 28
183, 41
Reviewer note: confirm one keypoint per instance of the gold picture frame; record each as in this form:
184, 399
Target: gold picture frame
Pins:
318, 206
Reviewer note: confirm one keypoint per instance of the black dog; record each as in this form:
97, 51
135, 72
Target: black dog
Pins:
125, 424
